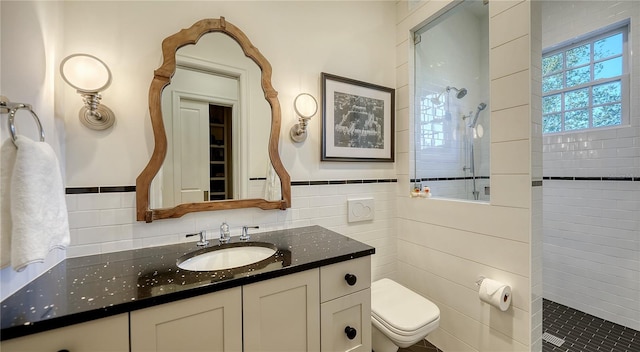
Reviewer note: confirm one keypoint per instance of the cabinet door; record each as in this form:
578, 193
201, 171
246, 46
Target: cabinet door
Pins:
346, 323
210, 322
283, 314
106, 334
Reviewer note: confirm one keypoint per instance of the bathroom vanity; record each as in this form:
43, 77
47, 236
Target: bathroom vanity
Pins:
312, 295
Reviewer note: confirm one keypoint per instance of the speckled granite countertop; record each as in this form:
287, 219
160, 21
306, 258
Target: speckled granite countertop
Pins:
86, 288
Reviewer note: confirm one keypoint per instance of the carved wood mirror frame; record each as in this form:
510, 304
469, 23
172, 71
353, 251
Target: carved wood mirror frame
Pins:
162, 77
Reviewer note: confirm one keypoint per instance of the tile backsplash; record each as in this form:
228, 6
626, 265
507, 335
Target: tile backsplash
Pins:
105, 222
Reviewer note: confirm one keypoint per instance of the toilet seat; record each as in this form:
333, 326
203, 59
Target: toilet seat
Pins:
401, 313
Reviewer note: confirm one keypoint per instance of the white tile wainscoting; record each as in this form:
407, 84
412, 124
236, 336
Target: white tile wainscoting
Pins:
592, 248
105, 222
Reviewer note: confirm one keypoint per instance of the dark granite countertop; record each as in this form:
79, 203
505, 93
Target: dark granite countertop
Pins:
92, 287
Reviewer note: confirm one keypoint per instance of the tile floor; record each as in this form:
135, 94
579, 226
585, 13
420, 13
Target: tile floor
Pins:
585, 333
582, 333
422, 346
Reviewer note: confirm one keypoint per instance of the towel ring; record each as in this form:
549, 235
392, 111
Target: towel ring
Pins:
12, 127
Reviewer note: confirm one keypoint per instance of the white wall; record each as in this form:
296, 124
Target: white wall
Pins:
444, 245
591, 228
300, 39
296, 37
31, 38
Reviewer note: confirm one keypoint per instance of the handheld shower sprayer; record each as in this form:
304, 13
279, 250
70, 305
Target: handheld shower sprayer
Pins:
473, 122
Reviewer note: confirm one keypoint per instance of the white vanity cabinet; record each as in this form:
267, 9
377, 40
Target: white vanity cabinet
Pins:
283, 314
321, 309
106, 334
211, 322
280, 314
346, 306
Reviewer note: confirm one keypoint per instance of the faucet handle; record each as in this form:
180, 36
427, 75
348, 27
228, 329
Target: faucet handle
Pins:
225, 235
203, 238
245, 235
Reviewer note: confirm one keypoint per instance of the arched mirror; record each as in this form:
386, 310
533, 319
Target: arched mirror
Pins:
211, 104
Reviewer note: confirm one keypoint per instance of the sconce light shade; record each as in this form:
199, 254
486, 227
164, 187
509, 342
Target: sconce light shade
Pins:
306, 106
89, 76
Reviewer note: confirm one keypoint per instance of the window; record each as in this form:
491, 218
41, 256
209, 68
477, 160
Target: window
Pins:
431, 125
585, 84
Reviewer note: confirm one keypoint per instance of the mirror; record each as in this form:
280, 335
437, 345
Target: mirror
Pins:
223, 123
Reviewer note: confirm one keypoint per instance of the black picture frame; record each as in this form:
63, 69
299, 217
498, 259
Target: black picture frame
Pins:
358, 120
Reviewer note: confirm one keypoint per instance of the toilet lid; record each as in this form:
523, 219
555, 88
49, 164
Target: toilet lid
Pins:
400, 309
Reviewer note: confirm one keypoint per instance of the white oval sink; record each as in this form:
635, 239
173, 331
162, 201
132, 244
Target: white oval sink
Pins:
224, 258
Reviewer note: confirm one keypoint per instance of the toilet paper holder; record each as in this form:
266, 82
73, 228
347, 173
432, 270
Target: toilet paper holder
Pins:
495, 293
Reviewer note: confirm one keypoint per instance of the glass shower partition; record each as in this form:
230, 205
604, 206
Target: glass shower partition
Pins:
451, 122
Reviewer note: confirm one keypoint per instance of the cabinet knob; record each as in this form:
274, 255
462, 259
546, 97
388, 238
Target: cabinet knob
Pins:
351, 332
351, 279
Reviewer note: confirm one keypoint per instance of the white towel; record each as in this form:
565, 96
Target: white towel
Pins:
38, 208
272, 187
7, 160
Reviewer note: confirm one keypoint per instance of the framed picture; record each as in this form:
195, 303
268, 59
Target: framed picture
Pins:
357, 120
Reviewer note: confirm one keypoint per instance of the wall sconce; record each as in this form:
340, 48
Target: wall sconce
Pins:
306, 107
89, 76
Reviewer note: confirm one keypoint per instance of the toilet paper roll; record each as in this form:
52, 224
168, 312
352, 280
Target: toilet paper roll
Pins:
495, 293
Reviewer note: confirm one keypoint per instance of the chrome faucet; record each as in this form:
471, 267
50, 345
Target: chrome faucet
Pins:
245, 235
203, 238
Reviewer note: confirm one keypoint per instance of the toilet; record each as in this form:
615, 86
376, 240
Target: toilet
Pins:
400, 317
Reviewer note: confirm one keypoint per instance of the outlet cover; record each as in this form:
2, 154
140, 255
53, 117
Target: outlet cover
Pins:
360, 209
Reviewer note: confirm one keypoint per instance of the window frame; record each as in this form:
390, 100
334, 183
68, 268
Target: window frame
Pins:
624, 78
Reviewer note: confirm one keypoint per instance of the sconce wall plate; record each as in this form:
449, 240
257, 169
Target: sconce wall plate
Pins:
106, 120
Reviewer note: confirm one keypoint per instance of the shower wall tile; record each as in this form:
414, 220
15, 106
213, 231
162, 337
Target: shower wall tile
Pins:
511, 191
402, 79
403, 160
510, 57
463, 271
441, 241
402, 141
478, 248
402, 97
514, 157
510, 91
402, 119
509, 25
479, 326
474, 217
402, 53
510, 124
500, 6
442, 337
592, 248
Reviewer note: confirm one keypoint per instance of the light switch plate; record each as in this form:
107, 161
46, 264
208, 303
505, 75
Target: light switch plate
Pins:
360, 209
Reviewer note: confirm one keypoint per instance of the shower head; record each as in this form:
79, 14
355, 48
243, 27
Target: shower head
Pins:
473, 122
461, 92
